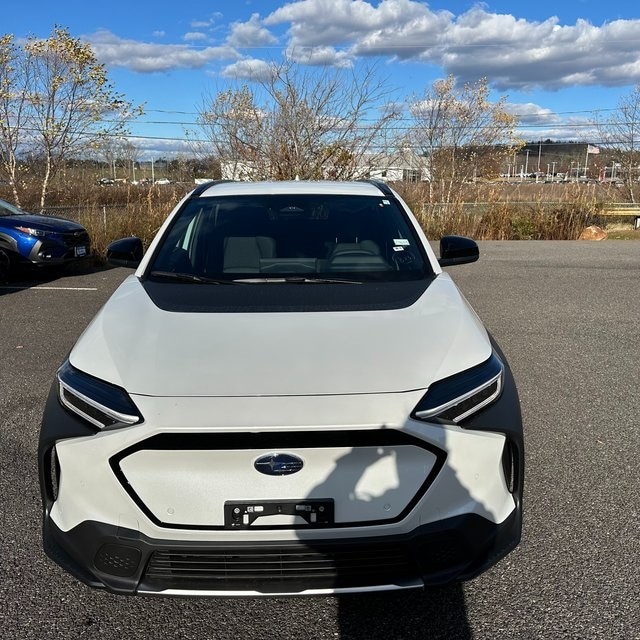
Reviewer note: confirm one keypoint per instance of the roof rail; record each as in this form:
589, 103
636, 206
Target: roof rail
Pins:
383, 186
201, 188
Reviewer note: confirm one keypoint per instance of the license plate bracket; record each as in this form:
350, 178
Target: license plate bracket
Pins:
244, 515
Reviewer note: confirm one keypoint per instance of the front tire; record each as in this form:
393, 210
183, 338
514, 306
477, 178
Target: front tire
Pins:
6, 264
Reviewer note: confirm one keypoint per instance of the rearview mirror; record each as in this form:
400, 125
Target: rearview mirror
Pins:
126, 252
457, 250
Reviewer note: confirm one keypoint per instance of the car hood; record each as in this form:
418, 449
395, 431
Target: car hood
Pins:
44, 223
148, 351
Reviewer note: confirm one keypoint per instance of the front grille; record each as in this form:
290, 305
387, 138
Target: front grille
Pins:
290, 568
75, 238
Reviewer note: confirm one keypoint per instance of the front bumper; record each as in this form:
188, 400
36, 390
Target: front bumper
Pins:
465, 517
60, 251
124, 561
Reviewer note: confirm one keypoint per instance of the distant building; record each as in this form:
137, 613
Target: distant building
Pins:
240, 171
402, 166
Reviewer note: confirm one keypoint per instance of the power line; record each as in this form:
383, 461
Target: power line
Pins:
393, 130
593, 110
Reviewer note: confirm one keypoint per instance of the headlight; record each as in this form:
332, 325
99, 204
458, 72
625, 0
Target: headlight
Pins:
463, 394
33, 232
102, 404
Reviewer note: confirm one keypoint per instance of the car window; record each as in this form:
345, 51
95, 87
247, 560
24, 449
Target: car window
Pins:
7, 209
275, 236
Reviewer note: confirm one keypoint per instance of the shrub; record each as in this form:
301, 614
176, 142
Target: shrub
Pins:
116, 211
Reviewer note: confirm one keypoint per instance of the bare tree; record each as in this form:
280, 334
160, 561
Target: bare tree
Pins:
13, 111
55, 101
621, 134
461, 132
118, 152
296, 123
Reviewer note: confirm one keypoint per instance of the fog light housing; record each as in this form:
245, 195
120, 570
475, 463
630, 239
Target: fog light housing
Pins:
117, 560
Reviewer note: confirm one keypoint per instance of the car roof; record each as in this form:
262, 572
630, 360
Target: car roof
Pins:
292, 187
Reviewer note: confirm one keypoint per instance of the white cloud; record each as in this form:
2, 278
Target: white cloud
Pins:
530, 113
511, 52
249, 69
205, 24
250, 34
147, 57
356, 23
526, 55
156, 147
536, 123
319, 56
194, 36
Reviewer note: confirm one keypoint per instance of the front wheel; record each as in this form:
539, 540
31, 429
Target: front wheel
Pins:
5, 264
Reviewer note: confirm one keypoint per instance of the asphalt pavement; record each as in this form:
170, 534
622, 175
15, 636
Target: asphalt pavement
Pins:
567, 314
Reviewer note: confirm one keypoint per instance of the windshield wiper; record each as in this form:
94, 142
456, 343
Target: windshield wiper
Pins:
189, 277
301, 280
192, 277
322, 280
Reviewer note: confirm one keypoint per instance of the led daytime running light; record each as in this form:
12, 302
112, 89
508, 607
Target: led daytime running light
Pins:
448, 410
454, 401
90, 409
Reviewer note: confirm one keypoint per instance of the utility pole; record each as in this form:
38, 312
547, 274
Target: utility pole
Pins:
526, 164
539, 153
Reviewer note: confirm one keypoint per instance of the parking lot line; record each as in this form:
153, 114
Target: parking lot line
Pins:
15, 288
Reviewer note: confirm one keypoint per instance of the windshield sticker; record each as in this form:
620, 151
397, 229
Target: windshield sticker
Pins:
401, 242
398, 248
385, 202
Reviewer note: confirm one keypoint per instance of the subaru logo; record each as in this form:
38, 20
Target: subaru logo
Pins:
278, 464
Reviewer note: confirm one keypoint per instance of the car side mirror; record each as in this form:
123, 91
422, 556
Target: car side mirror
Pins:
126, 252
457, 250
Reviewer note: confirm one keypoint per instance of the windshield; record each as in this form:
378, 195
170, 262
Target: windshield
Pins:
7, 209
291, 238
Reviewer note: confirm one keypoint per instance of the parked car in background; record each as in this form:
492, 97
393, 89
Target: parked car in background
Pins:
27, 238
288, 396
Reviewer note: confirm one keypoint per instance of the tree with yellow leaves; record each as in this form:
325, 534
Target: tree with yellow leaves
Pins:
461, 132
55, 101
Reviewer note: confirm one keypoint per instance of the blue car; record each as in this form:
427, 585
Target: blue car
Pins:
26, 238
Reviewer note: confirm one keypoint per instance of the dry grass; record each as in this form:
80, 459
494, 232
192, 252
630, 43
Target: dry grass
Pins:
622, 231
505, 212
491, 216
110, 212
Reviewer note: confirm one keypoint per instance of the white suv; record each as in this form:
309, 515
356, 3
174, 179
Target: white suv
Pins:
288, 396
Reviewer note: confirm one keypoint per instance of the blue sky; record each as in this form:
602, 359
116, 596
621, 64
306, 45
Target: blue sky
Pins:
556, 62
